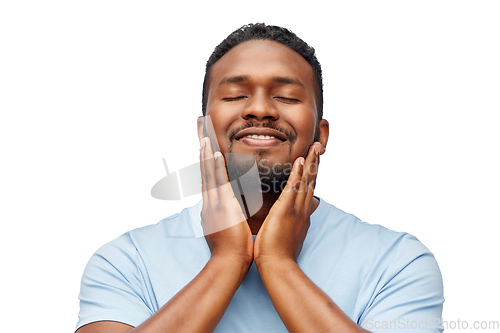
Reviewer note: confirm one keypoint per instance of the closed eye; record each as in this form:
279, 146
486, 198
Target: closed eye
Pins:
286, 99
230, 99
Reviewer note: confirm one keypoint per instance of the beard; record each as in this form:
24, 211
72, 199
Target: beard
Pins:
273, 176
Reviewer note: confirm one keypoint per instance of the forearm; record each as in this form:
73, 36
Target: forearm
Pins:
301, 305
200, 305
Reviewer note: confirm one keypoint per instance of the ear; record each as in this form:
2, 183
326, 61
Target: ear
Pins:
201, 125
324, 128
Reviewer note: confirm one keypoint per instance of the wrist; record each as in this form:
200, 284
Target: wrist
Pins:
274, 264
230, 260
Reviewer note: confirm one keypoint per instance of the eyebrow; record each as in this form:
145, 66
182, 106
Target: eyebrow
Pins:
287, 80
234, 79
277, 79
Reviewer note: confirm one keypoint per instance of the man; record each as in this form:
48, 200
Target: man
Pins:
298, 263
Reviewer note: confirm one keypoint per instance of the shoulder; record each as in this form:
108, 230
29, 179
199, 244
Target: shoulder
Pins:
395, 274
375, 244
116, 282
347, 228
185, 224
123, 253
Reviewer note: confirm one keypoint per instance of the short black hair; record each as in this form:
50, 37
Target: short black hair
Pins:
261, 31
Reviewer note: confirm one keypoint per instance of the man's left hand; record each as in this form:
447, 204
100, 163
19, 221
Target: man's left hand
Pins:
284, 229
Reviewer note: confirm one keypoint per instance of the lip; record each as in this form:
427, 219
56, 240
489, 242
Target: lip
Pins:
260, 143
278, 137
260, 131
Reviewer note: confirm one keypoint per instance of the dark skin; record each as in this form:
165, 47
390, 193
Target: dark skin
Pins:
256, 81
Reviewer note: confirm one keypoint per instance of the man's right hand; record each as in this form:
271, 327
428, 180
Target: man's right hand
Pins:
224, 224
200, 305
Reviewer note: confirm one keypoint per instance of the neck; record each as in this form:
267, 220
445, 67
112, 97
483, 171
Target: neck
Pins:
256, 220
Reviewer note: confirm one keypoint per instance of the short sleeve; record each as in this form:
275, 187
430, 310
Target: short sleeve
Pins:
112, 286
410, 294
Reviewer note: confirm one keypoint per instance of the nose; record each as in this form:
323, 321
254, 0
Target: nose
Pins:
260, 106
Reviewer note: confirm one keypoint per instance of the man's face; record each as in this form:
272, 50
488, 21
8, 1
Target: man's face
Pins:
261, 101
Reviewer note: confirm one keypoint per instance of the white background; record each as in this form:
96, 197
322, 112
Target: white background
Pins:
94, 93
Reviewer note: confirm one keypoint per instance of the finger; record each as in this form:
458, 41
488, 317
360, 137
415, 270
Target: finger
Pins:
309, 196
202, 170
209, 165
312, 170
312, 179
312, 163
309, 168
289, 193
225, 192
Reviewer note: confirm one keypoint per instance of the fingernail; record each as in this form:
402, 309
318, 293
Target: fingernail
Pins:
217, 154
203, 143
302, 161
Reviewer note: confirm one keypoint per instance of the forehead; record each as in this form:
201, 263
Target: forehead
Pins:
262, 60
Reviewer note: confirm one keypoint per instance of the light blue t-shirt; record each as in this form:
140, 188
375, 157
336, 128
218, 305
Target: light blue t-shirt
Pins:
385, 281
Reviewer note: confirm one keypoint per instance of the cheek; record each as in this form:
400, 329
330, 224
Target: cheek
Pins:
219, 131
304, 124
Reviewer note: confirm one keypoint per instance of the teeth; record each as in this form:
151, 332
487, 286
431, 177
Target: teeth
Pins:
262, 137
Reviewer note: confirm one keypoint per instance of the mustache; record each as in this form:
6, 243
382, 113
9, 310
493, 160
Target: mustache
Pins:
289, 135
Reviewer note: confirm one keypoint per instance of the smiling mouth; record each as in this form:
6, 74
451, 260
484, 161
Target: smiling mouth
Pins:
260, 141
260, 137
